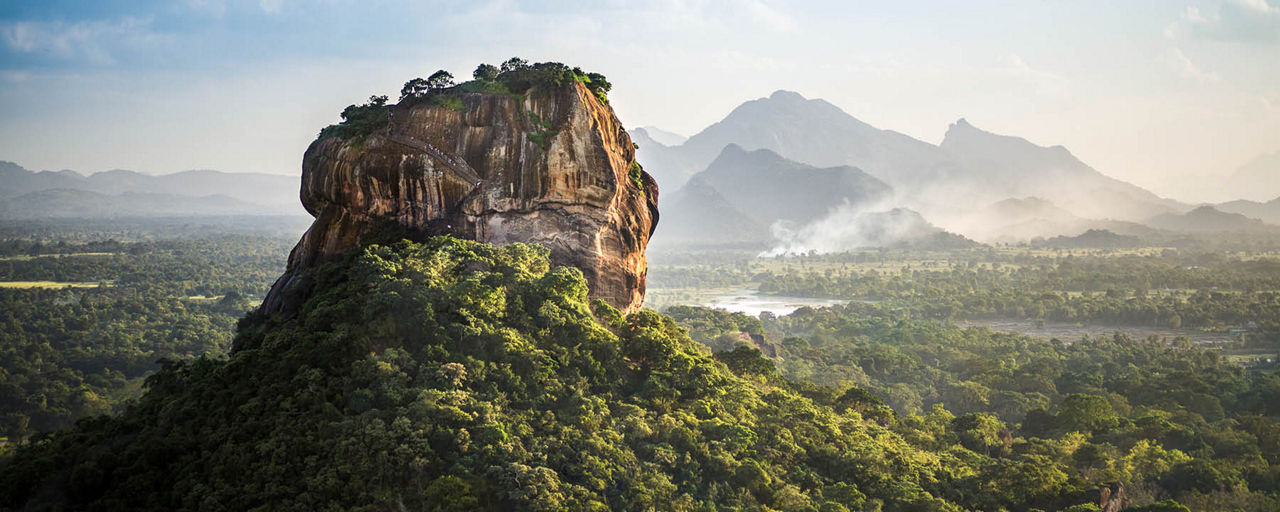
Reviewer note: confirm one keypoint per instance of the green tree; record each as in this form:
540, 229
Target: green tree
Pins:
414, 88
513, 64
981, 432
439, 80
1086, 413
486, 72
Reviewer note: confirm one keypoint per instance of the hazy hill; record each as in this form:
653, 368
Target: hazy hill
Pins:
661, 136
1029, 207
1258, 180
743, 192
1268, 212
1007, 166
768, 187
1092, 239
1207, 219
1015, 219
698, 214
662, 163
252, 192
848, 229
70, 203
944, 182
811, 131
15, 180
1021, 219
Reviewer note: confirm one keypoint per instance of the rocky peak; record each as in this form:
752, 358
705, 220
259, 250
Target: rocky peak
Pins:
551, 166
785, 95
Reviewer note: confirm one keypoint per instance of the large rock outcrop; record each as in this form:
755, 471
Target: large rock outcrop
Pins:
553, 166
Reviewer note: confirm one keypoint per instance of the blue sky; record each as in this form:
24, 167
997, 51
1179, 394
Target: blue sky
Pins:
1168, 94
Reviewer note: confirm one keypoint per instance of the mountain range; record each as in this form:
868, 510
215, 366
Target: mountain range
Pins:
1268, 212
1207, 219
754, 175
767, 169
119, 193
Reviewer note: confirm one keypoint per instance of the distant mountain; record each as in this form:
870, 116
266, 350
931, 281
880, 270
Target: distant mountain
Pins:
1029, 207
1258, 180
969, 169
1010, 166
661, 136
743, 193
16, 181
1207, 219
1268, 212
1015, 219
811, 131
1021, 219
698, 215
769, 188
257, 193
1092, 239
71, 203
664, 164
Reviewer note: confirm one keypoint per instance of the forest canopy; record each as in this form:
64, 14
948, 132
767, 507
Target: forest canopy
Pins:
454, 372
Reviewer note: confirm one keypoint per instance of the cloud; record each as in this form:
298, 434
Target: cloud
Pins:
659, 19
89, 41
770, 17
1045, 83
1240, 21
1188, 69
271, 6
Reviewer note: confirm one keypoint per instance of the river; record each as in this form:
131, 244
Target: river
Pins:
751, 302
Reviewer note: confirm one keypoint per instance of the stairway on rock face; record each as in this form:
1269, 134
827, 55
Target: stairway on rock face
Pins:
458, 165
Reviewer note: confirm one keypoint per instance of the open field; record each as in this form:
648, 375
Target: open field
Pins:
1071, 332
24, 285
24, 257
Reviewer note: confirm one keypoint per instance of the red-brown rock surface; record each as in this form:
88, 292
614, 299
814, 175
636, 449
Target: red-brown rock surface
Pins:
552, 167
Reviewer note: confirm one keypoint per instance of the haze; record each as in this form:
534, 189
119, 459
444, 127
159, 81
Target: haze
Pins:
1166, 94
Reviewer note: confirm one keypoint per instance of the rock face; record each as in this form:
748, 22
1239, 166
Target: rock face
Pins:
1112, 499
553, 167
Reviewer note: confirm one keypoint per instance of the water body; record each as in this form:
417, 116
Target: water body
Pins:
751, 302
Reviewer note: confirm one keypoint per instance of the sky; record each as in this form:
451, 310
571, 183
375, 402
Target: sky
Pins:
1172, 95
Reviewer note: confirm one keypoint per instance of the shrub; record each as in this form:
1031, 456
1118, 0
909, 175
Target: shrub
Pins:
359, 120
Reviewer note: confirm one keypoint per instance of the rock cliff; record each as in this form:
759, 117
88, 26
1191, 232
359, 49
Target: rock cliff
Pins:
552, 166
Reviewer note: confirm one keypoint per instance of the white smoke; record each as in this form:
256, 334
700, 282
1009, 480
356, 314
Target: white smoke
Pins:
848, 227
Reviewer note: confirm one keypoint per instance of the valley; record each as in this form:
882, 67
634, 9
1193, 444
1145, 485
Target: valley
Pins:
502, 299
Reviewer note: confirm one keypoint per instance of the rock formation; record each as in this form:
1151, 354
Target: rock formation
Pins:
553, 166
1112, 498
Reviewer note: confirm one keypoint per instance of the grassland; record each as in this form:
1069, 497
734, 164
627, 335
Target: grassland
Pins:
26, 285
23, 257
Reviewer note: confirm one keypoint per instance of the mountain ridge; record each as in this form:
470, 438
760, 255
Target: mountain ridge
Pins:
269, 193
979, 166
742, 193
1268, 212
